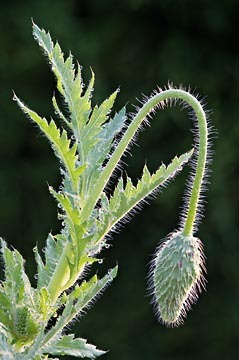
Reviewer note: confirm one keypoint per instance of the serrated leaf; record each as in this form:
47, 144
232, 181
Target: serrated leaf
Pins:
72, 219
72, 212
82, 109
44, 303
89, 133
53, 251
16, 286
125, 199
19, 307
5, 302
69, 82
99, 154
5, 317
79, 299
63, 69
68, 345
61, 144
100, 113
133, 195
59, 112
6, 350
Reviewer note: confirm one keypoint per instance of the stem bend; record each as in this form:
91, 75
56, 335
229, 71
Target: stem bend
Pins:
153, 102
196, 187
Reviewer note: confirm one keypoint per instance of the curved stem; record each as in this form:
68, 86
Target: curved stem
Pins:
127, 138
194, 195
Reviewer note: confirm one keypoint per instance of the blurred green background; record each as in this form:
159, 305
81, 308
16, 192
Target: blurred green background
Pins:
137, 44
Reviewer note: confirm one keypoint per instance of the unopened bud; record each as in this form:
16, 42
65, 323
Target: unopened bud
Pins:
177, 276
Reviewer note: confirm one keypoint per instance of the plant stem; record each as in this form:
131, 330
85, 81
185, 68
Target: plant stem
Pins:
127, 138
191, 214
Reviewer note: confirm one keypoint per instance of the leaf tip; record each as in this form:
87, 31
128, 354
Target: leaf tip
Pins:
114, 271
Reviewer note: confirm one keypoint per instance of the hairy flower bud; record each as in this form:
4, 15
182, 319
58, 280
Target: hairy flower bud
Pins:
176, 277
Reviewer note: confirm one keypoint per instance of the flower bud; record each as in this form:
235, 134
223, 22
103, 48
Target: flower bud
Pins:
176, 277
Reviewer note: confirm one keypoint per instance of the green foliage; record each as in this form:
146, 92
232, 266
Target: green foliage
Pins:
89, 144
74, 347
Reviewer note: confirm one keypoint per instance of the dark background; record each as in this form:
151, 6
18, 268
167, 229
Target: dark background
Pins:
137, 44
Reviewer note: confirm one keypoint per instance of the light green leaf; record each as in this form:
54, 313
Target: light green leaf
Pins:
72, 219
89, 133
6, 350
99, 154
79, 299
68, 345
16, 286
53, 251
59, 112
60, 143
69, 81
63, 69
72, 211
44, 302
125, 199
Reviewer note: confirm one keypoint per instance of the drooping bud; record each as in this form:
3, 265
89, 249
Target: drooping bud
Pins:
177, 276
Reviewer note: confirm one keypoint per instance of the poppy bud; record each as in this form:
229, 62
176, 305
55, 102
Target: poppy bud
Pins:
176, 277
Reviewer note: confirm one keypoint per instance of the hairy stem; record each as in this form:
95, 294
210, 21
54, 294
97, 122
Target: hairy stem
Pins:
193, 203
127, 138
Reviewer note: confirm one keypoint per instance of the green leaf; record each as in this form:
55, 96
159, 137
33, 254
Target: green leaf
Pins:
6, 350
59, 112
16, 286
53, 251
19, 307
44, 302
78, 300
68, 345
125, 199
100, 154
72, 213
69, 82
60, 143
90, 132
63, 69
